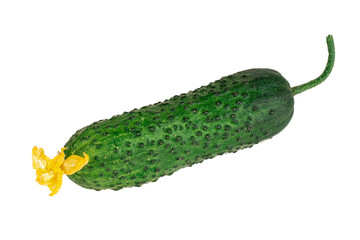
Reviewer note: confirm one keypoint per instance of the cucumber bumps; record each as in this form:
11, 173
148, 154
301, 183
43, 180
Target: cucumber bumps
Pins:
225, 116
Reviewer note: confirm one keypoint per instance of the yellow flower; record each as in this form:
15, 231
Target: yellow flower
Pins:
49, 172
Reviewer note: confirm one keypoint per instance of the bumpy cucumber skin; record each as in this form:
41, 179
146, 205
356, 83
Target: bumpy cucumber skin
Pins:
145, 144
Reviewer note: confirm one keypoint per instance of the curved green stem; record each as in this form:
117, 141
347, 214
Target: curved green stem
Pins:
326, 72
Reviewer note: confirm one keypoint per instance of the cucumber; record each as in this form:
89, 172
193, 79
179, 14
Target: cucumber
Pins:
227, 115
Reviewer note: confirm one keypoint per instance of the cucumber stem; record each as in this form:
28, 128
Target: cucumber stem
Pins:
329, 66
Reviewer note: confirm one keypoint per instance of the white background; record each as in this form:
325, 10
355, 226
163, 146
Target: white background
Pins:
65, 64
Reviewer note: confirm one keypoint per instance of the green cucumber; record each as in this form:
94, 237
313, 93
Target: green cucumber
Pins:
227, 115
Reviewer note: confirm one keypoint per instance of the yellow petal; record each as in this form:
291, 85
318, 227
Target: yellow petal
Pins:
39, 158
74, 163
56, 185
56, 163
48, 171
44, 178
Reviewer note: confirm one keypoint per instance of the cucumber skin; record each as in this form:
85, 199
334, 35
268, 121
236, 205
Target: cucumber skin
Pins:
140, 146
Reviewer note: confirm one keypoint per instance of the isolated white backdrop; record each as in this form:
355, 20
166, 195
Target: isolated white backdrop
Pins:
65, 64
